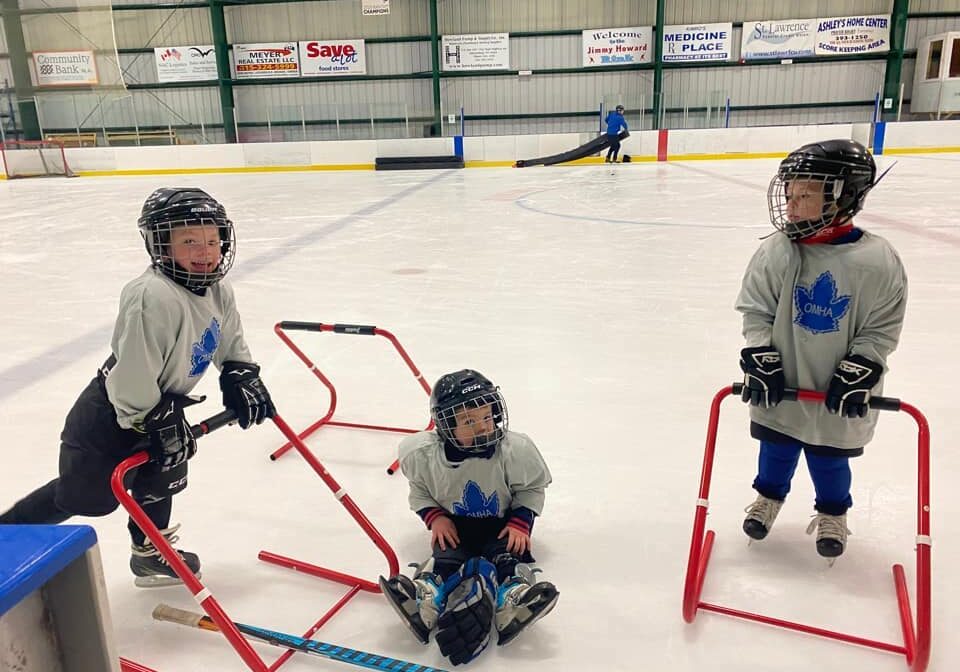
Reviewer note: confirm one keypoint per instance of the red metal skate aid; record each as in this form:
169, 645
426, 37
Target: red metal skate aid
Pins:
916, 646
355, 584
203, 596
358, 330
200, 593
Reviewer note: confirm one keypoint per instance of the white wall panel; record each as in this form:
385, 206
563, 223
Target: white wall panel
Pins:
138, 68
773, 84
398, 58
330, 19
533, 53
506, 16
842, 115
337, 99
544, 93
183, 105
516, 126
162, 28
933, 5
907, 73
711, 11
920, 28
94, 111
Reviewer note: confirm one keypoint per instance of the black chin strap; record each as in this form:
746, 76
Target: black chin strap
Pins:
455, 453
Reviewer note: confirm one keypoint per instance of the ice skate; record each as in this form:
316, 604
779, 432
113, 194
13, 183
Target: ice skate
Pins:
151, 569
760, 517
521, 602
832, 534
414, 600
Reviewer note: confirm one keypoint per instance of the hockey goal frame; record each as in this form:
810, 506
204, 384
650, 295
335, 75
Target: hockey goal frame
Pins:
916, 636
18, 145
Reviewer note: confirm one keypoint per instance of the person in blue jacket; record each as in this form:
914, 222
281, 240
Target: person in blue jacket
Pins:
615, 123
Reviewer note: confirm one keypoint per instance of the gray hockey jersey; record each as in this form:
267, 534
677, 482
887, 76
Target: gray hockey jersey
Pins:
164, 340
514, 476
815, 304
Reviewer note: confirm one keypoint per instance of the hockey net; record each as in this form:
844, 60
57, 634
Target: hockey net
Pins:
34, 158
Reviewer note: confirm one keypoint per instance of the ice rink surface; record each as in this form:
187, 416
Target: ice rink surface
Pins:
601, 301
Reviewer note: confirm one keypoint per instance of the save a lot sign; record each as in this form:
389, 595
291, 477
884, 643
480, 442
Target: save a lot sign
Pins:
332, 57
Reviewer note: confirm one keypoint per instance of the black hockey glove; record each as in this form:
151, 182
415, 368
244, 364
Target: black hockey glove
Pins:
763, 380
171, 442
245, 394
849, 391
463, 629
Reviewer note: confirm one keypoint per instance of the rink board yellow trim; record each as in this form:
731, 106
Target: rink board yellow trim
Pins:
726, 155
921, 150
239, 169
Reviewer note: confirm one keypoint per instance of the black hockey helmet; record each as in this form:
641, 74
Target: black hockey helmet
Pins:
173, 207
844, 167
462, 390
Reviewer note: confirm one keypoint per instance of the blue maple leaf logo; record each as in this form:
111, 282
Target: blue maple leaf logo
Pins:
475, 504
204, 348
818, 308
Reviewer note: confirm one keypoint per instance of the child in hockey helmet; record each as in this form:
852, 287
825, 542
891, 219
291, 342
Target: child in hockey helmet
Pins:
477, 487
820, 186
188, 236
823, 307
469, 412
175, 320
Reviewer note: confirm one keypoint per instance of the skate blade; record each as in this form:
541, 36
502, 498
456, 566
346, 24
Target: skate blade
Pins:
423, 638
543, 612
158, 581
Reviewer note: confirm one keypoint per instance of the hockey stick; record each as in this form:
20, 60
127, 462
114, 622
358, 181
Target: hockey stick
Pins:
371, 661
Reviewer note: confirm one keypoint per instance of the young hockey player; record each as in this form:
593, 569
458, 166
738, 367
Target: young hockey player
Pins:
615, 124
175, 319
823, 304
477, 487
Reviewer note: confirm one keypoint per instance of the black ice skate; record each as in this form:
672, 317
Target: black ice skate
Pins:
151, 570
760, 517
521, 602
414, 599
832, 534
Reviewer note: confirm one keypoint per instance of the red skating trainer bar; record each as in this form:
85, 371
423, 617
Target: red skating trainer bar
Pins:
358, 330
916, 646
203, 596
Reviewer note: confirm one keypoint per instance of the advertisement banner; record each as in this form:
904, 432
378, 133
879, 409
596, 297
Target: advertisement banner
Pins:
785, 38
490, 51
195, 63
375, 7
65, 68
272, 60
332, 57
617, 46
706, 42
853, 35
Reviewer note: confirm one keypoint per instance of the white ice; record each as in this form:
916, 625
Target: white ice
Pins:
601, 301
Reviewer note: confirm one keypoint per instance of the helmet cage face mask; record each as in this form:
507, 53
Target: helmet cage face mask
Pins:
844, 168
832, 210
445, 419
157, 237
